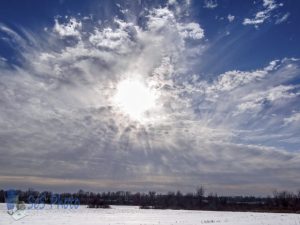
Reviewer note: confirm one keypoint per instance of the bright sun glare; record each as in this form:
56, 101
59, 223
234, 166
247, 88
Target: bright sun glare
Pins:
134, 98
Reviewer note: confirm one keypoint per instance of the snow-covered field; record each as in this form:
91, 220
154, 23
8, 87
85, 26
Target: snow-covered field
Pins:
135, 216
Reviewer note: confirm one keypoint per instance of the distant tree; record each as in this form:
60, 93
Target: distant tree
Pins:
200, 195
281, 201
98, 202
152, 197
284, 200
213, 201
200, 192
2, 194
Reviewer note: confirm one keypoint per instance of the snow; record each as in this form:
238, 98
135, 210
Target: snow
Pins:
135, 216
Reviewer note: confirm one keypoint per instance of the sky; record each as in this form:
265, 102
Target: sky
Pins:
150, 95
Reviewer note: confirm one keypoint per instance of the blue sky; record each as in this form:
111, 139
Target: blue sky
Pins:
150, 95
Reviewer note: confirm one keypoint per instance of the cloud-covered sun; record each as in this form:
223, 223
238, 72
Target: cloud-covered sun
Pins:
134, 98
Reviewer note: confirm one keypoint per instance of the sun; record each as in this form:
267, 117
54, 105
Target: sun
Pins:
134, 98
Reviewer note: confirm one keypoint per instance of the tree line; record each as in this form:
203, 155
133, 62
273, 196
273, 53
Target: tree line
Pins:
280, 201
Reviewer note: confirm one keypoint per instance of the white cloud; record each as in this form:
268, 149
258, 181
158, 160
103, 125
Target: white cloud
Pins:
72, 28
159, 18
191, 30
13, 36
294, 118
3, 62
261, 16
234, 79
172, 2
230, 17
283, 18
256, 101
2, 59
210, 4
118, 40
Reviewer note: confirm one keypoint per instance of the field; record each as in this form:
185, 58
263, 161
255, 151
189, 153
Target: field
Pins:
135, 216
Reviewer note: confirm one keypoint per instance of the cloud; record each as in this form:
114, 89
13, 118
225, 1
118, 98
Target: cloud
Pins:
59, 124
283, 18
294, 118
210, 4
256, 101
191, 30
72, 28
118, 40
230, 17
266, 13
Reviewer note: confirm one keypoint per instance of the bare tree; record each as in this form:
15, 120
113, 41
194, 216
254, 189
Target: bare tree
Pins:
200, 192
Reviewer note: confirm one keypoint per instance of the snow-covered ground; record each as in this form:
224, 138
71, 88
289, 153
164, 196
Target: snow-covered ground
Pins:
135, 216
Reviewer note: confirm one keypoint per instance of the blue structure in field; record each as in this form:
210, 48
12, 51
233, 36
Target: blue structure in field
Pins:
11, 199
14, 208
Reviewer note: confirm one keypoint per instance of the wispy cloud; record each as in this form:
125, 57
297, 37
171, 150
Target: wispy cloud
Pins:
294, 118
58, 118
210, 4
263, 15
282, 19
